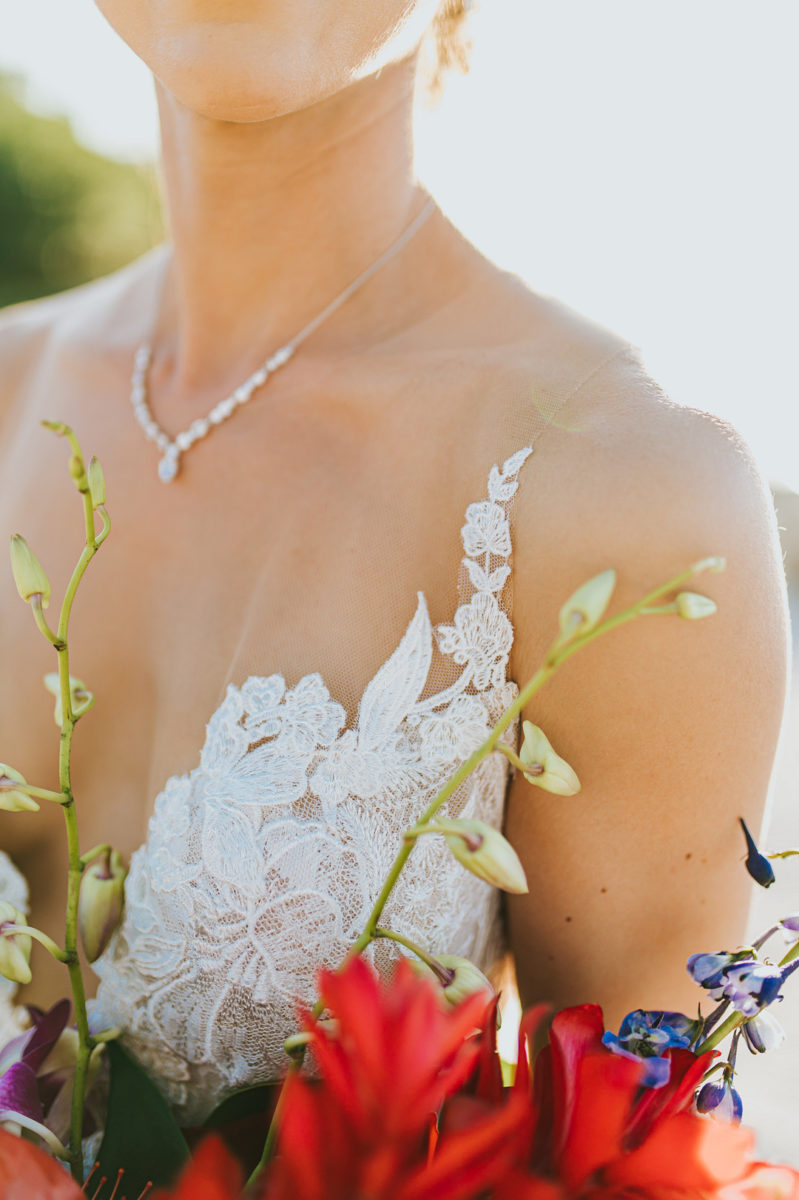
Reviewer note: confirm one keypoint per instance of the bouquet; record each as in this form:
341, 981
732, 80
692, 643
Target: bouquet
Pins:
409, 1098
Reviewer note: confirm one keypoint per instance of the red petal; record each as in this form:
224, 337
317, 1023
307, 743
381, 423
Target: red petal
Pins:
26, 1171
686, 1152
603, 1090
212, 1174
574, 1032
656, 1104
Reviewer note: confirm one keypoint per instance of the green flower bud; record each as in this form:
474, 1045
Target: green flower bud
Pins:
96, 482
547, 769
81, 699
28, 572
77, 469
15, 948
483, 851
585, 609
693, 607
100, 903
11, 799
466, 980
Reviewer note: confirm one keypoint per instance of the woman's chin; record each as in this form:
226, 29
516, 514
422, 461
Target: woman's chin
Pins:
242, 88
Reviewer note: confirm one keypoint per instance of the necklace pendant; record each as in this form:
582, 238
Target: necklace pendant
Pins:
168, 466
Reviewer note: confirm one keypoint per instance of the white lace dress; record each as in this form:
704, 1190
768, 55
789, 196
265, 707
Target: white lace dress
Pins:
262, 863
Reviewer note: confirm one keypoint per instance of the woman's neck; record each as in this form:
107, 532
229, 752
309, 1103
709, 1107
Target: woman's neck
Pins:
270, 221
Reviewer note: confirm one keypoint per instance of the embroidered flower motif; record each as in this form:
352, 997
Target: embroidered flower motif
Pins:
486, 530
481, 638
456, 732
347, 769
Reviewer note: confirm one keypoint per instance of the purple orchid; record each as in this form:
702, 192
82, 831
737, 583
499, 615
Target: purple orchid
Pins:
25, 1093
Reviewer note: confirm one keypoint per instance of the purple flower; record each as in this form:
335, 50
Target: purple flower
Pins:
751, 986
763, 1032
21, 1098
646, 1036
721, 1099
708, 969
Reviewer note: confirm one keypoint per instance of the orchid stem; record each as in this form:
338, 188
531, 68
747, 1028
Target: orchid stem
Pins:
426, 958
43, 940
67, 800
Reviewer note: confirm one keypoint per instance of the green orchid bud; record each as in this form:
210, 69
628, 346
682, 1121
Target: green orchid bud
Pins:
693, 607
483, 851
466, 979
585, 608
77, 469
81, 700
100, 903
96, 482
547, 769
28, 572
11, 798
15, 948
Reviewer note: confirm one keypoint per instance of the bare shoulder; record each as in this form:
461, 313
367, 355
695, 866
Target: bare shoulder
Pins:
92, 315
625, 478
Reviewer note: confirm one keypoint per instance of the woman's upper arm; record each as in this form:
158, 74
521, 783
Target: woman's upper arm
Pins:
670, 724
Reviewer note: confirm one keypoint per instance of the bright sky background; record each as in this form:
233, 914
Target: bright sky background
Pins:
636, 158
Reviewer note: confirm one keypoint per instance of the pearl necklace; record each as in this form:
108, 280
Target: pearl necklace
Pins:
172, 448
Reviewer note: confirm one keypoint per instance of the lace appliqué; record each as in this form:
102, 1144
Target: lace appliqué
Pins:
262, 864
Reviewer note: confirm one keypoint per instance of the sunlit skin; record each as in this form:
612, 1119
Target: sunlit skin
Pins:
288, 165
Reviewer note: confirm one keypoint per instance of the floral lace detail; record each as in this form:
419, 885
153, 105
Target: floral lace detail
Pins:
262, 863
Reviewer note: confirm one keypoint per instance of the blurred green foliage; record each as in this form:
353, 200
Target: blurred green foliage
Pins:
67, 215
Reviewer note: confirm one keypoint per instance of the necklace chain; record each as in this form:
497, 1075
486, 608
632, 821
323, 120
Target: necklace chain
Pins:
172, 448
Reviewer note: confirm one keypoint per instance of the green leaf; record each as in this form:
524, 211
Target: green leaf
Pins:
141, 1135
783, 854
247, 1102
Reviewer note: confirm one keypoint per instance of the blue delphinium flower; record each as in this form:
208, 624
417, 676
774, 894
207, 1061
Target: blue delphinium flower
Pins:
751, 986
720, 1098
708, 969
646, 1036
763, 1032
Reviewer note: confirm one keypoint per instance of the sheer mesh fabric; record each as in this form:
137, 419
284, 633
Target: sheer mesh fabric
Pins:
331, 736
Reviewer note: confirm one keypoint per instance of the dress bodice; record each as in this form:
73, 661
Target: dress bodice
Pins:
263, 862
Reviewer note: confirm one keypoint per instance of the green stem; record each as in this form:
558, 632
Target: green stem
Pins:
41, 621
42, 938
271, 1134
75, 865
40, 793
790, 956
733, 1022
95, 852
512, 757
426, 958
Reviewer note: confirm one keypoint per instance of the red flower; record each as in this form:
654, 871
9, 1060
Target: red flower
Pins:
581, 1127
26, 1171
398, 1052
212, 1174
